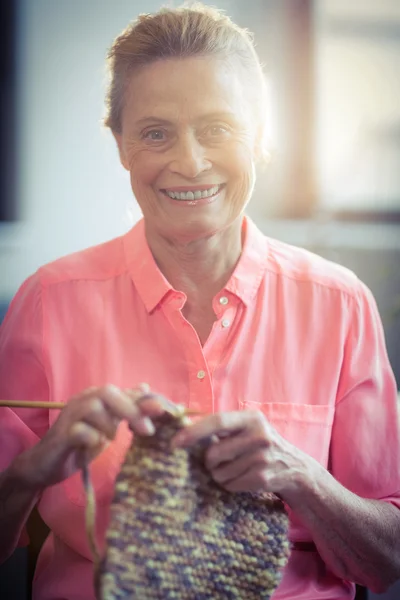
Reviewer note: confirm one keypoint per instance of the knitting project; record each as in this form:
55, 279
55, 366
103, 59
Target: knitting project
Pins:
176, 534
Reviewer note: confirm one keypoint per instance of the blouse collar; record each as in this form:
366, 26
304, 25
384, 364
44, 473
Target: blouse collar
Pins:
154, 288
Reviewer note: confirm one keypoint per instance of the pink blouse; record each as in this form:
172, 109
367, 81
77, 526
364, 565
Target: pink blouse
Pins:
295, 336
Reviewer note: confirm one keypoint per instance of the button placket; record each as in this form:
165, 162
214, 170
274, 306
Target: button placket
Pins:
201, 392
220, 339
200, 387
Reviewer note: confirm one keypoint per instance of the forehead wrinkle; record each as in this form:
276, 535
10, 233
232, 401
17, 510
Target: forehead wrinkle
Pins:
155, 88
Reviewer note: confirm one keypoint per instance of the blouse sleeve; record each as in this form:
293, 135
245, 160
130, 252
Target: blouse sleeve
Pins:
22, 374
365, 446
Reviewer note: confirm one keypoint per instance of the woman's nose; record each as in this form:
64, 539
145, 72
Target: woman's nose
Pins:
189, 158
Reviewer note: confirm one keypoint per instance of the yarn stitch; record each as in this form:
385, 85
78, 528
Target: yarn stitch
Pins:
176, 534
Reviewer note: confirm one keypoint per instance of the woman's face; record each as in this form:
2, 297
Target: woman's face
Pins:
188, 142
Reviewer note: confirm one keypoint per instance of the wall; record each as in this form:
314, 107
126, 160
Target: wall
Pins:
72, 192
358, 103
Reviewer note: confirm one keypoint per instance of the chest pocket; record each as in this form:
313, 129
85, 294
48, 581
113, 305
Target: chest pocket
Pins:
103, 471
306, 426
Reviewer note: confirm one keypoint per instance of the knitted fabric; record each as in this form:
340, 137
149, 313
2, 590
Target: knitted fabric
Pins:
174, 533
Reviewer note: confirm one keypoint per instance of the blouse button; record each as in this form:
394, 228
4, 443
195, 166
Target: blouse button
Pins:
225, 322
201, 374
223, 300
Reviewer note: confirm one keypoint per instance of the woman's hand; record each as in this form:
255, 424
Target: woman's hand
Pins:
83, 428
248, 454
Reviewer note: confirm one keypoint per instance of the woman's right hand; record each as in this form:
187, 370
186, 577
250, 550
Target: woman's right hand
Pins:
83, 428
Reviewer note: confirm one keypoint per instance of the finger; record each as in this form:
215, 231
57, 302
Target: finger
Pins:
124, 406
233, 447
254, 480
140, 424
85, 436
104, 406
137, 406
152, 404
117, 404
218, 424
99, 417
144, 387
149, 405
138, 391
240, 467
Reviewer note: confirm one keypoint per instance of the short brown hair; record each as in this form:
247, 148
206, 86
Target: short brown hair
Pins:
188, 31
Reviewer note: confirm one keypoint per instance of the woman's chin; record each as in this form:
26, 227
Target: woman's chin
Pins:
192, 229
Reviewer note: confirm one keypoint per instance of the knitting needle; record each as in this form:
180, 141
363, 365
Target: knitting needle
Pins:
31, 404
60, 405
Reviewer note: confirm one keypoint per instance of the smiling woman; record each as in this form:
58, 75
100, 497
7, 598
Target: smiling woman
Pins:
208, 122
186, 141
281, 352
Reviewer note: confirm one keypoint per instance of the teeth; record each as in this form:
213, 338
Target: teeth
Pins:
193, 195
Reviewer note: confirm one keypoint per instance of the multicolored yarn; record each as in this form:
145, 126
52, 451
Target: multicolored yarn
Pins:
175, 534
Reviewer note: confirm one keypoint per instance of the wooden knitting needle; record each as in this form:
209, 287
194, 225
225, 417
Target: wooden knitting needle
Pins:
31, 404
60, 405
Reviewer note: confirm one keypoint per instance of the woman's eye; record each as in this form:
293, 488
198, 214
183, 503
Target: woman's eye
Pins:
155, 135
218, 131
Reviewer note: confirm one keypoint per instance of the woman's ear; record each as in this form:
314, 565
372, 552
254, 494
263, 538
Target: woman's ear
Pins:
122, 155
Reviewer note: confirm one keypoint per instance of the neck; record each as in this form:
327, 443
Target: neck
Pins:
199, 268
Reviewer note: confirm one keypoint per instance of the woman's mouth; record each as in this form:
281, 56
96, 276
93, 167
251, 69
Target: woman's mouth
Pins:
195, 195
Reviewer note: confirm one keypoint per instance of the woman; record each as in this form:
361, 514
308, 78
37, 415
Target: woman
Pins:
283, 350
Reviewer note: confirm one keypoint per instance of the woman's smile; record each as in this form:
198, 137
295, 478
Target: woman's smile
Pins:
192, 196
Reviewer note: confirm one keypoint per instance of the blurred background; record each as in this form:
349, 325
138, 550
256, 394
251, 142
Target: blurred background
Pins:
333, 182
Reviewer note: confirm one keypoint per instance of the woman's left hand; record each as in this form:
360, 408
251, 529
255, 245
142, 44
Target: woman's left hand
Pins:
248, 454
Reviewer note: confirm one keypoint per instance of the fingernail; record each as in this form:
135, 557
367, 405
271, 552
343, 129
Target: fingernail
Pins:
148, 426
144, 387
